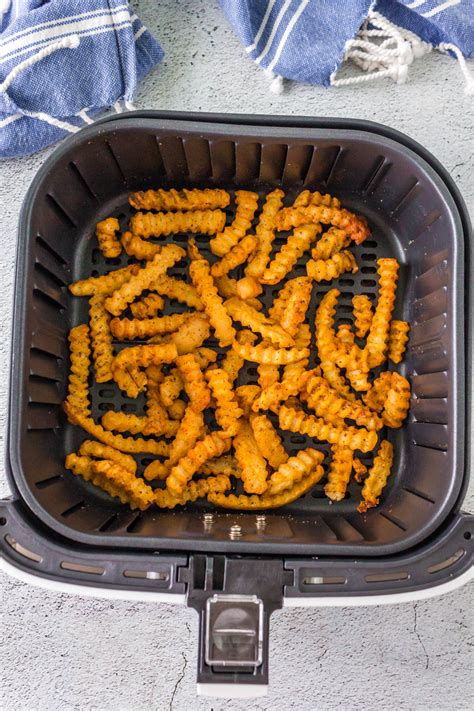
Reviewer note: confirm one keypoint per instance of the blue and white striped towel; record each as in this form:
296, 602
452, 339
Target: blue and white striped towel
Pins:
307, 40
63, 61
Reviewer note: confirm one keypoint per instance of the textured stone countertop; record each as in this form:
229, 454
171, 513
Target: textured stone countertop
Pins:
67, 652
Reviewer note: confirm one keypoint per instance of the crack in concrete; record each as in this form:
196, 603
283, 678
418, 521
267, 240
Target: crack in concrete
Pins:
415, 630
179, 680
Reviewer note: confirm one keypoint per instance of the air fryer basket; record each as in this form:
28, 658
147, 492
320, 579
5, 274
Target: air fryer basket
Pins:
413, 217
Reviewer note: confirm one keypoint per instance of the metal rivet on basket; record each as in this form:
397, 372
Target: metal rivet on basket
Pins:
235, 531
261, 521
208, 520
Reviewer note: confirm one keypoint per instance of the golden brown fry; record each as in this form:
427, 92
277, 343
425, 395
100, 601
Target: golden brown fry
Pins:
194, 490
265, 233
339, 473
306, 198
89, 448
360, 470
194, 382
377, 339
269, 355
123, 422
177, 409
344, 436
129, 488
139, 248
277, 310
105, 284
148, 306
246, 203
213, 305
208, 199
246, 395
126, 329
235, 256
296, 245
128, 361
252, 503
227, 411
363, 314
227, 288
257, 322
250, 460
80, 356
267, 374
171, 387
205, 356
157, 420
191, 334
268, 441
354, 225
376, 396
294, 371
397, 340
188, 433
330, 243
211, 446
397, 401
226, 464
345, 336
333, 375
177, 289
248, 288
274, 394
377, 478
329, 269
151, 224
128, 292
296, 307
295, 469
105, 232
102, 349
327, 403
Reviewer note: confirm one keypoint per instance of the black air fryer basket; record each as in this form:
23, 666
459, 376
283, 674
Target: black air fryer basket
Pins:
236, 568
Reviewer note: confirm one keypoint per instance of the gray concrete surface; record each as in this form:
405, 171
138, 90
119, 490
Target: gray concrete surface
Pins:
60, 652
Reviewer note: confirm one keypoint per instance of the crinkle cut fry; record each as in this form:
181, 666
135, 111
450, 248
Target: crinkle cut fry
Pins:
265, 232
225, 464
123, 422
397, 402
188, 433
248, 288
329, 269
252, 503
126, 329
360, 470
148, 306
269, 355
397, 340
377, 338
127, 363
296, 307
80, 357
268, 440
354, 225
330, 243
339, 473
241, 311
136, 246
219, 318
129, 291
329, 404
194, 490
90, 448
102, 349
235, 256
295, 469
376, 396
229, 236
166, 200
227, 410
171, 387
105, 284
344, 436
363, 314
194, 382
296, 245
375, 482
250, 460
189, 337
211, 446
177, 289
157, 224
306, 197
105, 232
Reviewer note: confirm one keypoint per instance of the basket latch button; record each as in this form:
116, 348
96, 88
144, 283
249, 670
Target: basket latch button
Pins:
234, 631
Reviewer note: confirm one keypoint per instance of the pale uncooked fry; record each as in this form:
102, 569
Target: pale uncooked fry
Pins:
227, 411
362, 308
252, 503
339, 473
296, 307
268, 440
130, 489
354, 225
171, 387
226, 464
246, 202
139, 248
327, 403
295, 469
188, 433
376, 396
330, 243
377, 338
235, 257
360, 470
397, 402
130, 359
377, 478
246, 395
126, 329
329, 269
194, 382
306, 198
175, 288
105, 284
148, 306
129, 291
80, 357
397, 340
344, 436
194, 490
191, 334
250, 460
211, 446
151, 224
248, 288
219, 318
257, 322
89, 448
296, 245
177, 409
195, 199
105, 232
123, 422
124, 444
269, 355
265, 232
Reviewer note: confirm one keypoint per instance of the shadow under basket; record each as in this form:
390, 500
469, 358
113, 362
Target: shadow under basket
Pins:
413, 217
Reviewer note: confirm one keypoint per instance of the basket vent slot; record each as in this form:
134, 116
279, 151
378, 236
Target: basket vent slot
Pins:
146, 574
324, 580
442, 565
386, 577
22, 550
81, 180
46, 246
82, 568
59, 211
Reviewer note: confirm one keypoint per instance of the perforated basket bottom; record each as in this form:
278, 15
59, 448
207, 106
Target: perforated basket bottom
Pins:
90, 261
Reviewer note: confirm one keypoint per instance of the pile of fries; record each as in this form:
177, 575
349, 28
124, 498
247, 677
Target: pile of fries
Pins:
206, 436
